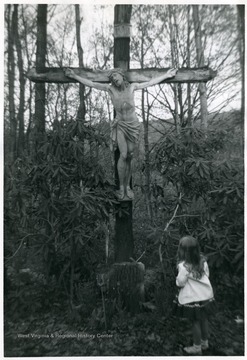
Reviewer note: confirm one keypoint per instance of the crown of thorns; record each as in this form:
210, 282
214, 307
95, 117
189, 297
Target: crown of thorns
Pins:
114, 71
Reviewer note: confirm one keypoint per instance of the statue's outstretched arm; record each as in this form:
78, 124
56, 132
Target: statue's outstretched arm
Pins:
169, 74
71, 74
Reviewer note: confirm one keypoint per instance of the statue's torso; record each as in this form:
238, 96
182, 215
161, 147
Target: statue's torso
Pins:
126, 120
123, 102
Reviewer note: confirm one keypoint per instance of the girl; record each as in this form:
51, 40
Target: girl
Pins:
196, 295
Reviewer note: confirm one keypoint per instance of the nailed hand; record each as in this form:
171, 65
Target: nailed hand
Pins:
172, 72
69, 72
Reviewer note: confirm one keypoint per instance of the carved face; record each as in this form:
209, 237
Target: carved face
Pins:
117, 79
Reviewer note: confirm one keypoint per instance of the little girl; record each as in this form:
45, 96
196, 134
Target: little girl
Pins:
196, 295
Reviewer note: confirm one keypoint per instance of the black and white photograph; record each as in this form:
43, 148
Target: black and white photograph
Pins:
123, 179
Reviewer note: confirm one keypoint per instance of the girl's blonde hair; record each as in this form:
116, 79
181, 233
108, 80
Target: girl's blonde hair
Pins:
189, 252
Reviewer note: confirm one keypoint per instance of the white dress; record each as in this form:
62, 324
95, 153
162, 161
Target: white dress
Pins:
191, 288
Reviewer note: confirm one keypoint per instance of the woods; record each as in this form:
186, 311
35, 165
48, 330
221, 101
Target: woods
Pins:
67, 238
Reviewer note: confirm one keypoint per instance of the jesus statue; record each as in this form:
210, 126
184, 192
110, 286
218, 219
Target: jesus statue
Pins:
125, 127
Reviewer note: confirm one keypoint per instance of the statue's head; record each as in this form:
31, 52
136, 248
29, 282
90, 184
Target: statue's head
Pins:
117, 77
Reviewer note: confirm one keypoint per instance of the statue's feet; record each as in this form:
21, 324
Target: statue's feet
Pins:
130, 193
120, 193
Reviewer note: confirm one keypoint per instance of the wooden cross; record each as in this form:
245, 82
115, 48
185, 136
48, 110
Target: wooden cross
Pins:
184, 75
124, 243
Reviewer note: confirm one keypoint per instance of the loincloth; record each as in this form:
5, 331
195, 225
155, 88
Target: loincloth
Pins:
130, 129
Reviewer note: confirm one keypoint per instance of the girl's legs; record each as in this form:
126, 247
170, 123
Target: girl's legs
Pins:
204, 330
196, 348
200, 335
196, 331
204, 325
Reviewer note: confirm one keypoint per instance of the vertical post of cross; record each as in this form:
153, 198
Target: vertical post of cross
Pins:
124, 242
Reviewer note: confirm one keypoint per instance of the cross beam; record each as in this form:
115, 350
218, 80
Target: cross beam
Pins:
184, 75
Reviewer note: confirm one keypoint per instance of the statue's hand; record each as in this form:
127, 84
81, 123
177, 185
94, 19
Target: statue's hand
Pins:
32, 72
69, 72
172, 72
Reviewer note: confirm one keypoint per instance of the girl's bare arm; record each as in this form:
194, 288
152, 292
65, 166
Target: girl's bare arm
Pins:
169, 74
71, 74
182, 276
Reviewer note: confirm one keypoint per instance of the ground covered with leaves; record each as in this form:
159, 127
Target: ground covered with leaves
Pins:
144, 334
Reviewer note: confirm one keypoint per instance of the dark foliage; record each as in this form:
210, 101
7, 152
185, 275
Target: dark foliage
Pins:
57, 205
207, 182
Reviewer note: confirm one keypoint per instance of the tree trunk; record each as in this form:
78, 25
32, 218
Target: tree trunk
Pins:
174, 65
40, 91
81, 109
28, 143
145, 119
189, 122
20, 116
11, 80
200, 62
241, 29
28, 146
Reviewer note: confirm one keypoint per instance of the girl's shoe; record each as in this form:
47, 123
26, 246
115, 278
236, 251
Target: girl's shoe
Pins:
204, 344
193, 350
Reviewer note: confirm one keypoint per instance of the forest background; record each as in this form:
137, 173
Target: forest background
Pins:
59, 195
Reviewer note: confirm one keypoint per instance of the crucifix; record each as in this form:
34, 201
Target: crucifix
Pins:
125, 127
120, 83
